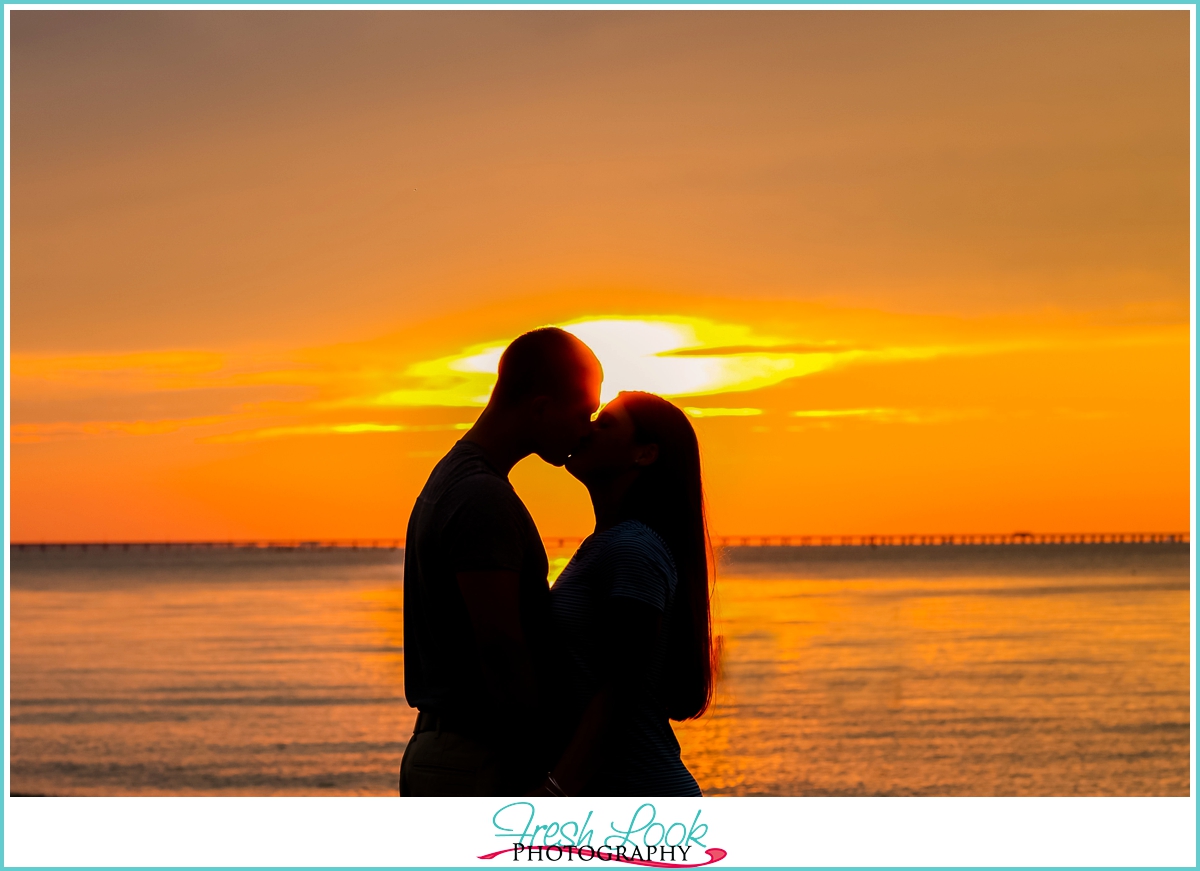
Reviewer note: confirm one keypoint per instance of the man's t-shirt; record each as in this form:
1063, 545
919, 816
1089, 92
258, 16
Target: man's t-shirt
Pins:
467, 518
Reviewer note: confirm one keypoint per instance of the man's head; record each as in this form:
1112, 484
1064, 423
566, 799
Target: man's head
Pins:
552, 380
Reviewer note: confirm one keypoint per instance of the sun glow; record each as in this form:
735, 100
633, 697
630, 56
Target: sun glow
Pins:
642, 354
667, 355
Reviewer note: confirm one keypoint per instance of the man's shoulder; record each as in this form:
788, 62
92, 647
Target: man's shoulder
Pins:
463, 480
481, 486
464, 468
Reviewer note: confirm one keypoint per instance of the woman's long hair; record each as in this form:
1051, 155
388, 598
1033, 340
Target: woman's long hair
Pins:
668, 497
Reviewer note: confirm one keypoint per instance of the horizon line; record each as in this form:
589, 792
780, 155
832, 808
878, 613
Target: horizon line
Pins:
798, 540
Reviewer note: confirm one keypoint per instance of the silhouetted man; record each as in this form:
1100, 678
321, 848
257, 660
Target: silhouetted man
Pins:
476, 599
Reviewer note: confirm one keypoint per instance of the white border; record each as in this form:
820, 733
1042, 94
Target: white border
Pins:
601, 6
7, 393
756, 832
451, 832
1192, 379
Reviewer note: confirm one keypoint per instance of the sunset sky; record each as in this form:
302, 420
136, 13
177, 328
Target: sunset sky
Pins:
909, 272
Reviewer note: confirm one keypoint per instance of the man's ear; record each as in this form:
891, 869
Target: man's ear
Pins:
644, 455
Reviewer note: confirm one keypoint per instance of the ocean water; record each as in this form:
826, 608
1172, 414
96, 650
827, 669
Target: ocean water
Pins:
969, 670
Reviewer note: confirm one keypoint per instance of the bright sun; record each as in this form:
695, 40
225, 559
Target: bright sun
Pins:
640, 353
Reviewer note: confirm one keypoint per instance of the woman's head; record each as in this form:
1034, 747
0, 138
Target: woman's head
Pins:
613, 449
650, 444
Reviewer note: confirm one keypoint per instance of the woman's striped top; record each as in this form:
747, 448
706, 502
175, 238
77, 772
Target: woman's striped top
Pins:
628, 560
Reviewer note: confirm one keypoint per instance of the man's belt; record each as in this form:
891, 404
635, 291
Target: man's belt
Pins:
439, 721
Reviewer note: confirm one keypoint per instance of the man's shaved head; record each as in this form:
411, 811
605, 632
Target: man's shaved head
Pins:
546, 362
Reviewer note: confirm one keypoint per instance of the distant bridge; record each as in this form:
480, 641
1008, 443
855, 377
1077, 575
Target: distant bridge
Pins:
332, 544
1006, 538
560, 542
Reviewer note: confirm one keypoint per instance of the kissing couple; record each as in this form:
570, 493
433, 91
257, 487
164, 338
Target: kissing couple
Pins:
526, 690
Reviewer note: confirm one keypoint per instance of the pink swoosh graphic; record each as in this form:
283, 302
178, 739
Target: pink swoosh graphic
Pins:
715, 854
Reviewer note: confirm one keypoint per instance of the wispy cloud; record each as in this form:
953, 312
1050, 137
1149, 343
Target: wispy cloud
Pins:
331, 429
828, 416
31, 433
376, 387
150, 365
822, 413
722, 412
155, 371
669, 355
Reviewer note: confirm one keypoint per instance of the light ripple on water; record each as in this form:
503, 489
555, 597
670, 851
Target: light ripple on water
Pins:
1058, 670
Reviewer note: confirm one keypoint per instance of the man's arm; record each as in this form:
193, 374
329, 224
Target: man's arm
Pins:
491, 598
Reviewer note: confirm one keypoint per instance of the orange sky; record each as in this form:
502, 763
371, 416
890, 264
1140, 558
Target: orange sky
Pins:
908, 271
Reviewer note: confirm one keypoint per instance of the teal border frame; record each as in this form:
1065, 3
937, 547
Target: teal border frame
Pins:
5, 316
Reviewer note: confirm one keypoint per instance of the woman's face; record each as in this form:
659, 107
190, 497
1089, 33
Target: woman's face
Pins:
609, 449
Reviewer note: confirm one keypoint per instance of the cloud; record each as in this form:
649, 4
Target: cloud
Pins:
377, 387
32, 433
146, 365
827, 416
722, 412
668, 355
847, 412
331, 429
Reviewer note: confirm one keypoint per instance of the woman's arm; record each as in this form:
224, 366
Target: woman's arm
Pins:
635, 627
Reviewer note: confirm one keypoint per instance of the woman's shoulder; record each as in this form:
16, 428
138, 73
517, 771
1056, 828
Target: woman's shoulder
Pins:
634, 540
639, 564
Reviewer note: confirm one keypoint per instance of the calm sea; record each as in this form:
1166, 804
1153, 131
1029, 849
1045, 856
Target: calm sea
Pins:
969, 670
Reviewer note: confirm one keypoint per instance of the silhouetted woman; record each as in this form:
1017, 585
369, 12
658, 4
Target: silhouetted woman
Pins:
631, 609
